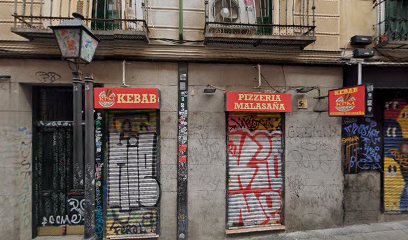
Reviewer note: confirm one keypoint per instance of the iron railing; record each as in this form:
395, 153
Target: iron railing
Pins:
284, 18
392, 26
41, 14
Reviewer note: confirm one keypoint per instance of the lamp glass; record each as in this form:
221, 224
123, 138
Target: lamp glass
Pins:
225, 12
69, 41
88, 47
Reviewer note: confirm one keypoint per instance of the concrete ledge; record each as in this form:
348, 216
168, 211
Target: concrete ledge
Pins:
134, 236
255, 229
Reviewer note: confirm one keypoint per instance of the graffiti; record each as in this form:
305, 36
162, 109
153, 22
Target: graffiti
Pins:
15, 151
396, 156
54, 124
182, 167
312, 130
24, 141
134, 187
74, 217
309, 159
255, 185
254, 123
296, 184
99, 218
131, 222
47, 77
361, 142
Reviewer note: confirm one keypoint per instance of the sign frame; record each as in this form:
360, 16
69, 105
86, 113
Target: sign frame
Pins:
126, 98
258, 102
364, 106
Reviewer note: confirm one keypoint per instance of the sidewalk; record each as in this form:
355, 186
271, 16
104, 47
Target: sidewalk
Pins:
375, 231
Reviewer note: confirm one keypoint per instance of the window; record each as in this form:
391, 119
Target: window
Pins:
396, 20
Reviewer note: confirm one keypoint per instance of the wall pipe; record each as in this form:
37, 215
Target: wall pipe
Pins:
259, 75
181, 20
360, 73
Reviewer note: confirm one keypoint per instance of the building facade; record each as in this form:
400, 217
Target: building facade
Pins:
192, 167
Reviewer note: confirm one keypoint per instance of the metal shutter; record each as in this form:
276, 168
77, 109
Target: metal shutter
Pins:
255, 170
133, 185
396, 156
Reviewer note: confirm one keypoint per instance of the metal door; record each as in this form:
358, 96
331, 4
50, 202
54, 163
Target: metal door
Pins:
132, 174
255, 170
57, 191
396, 155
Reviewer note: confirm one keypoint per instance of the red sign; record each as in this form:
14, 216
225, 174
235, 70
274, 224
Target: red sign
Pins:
126, 98
258, 102
347, 101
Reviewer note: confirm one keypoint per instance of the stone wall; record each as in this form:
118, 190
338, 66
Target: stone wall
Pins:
313, 176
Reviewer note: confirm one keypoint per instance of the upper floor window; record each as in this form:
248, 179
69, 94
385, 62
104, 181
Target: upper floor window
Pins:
395, 20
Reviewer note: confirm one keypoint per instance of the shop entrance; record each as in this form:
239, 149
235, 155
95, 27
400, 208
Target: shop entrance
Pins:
255, 170
132, 174
395, 132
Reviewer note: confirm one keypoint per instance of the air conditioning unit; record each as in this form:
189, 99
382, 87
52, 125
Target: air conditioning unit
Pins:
233, 12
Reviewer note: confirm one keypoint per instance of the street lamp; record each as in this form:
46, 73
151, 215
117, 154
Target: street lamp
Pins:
75, 40
78, 44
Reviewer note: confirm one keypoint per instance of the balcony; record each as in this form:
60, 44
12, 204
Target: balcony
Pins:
260, 23
108, 19
392, 27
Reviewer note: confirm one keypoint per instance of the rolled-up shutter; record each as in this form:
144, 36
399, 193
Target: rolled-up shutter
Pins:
132, 174
396, 155
255, 171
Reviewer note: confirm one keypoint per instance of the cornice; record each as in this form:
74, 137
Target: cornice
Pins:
131, 50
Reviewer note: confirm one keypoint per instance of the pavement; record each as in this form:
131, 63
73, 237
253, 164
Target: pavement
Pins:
375, 231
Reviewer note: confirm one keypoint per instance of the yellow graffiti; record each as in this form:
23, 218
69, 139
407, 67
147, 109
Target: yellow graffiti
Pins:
403, 121
393, 185
396, 159
351, 143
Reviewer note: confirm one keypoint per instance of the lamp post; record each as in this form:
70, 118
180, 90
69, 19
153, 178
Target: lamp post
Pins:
78, 44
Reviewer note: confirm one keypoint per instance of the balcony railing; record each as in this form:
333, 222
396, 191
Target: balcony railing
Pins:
260, 23
392, 27
32, 18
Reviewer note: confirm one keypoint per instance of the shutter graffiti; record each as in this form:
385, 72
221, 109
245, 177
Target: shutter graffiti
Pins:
361, 143
133, 183
255, 171
396, 155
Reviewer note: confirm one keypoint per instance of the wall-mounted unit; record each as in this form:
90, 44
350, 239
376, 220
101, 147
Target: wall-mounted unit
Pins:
259, 23
232, 11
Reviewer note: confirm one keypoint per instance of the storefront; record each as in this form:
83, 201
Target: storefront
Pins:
255, 160
376, 146
127, 162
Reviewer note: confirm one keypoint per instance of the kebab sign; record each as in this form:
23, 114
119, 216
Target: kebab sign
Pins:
126, 98
352, 101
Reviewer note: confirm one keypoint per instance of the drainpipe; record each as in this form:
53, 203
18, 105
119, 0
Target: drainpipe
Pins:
360, 73
259, 76
181, 20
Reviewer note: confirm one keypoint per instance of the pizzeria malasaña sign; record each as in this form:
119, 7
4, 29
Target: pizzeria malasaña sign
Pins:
258, 102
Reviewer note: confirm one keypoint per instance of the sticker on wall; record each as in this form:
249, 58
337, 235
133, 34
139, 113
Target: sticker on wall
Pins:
302, 102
